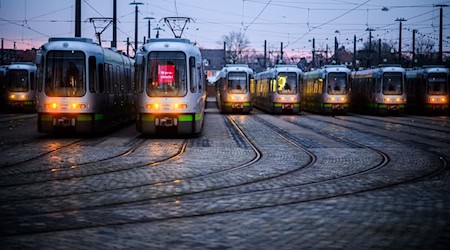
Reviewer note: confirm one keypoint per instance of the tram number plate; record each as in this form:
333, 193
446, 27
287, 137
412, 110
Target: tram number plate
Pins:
337, 106
166, 122
237, 106
286, 106
393, 107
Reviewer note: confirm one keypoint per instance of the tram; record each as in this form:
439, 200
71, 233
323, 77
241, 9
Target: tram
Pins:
171, 87
233, 88
277, 89
428, 90
2, 88
326, 90
379, 90
83, 87
20, 88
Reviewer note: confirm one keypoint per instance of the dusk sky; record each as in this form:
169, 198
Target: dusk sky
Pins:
294, 22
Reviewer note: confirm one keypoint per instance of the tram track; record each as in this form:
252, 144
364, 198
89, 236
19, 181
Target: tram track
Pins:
399, 122
176, 212
413, 142
152, 184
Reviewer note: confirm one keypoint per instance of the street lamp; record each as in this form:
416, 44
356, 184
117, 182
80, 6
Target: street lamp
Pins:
400, 20
149, 25
136, 23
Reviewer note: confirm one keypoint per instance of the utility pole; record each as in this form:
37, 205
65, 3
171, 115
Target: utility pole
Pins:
314, 52
336, 50
136, 10
354, 51
414, 48
77, 18
400, 20
281, 57
128, 46
2, 53
379, 51
265, 54
440, 29
114, 23
369, 62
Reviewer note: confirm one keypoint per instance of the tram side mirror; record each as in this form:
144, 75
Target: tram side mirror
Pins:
139, 59
38, 58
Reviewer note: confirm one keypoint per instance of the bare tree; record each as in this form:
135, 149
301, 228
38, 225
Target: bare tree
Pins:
236, 43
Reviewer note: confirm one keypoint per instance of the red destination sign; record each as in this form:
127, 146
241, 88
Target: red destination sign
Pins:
166, 73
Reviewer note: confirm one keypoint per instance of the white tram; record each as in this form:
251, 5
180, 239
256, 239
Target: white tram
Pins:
326, 90
171, 87
379, 90
233, 88
83, 87
277, 90
20, 88
428, 89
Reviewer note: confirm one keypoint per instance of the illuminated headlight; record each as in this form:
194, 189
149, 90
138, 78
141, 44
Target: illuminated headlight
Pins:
52, 105
437, 100
232, 98
153, 106
343, 99
12, 97
331, 99
179, 106
387, 99
77, 105
23, 97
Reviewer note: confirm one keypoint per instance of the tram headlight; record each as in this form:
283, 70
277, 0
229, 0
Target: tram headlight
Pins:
443, 99
331, 99
153, 106
77, 105
387, 99
343, 99
179, 106
52, 105
23, 97
12, 97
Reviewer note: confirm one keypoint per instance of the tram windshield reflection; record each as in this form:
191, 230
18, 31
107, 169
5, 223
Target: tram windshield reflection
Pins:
166, 73
437, 84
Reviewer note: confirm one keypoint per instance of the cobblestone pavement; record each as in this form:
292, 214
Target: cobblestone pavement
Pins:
255, 181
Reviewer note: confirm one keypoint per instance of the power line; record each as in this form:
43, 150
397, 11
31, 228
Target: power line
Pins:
345, 13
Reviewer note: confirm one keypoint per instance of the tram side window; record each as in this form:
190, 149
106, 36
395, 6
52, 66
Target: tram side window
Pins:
111, 79
119, 79
107, 79
92, 75
199, 77
32, 81
101, 85
192, 75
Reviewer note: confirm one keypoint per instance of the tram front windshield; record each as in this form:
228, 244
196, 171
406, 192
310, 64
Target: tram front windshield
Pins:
166, 73
287, 83
437, 84
237, 82
393, 83
65, 74
18, 80
337, 84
